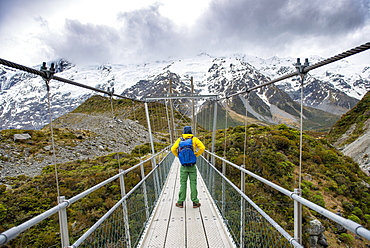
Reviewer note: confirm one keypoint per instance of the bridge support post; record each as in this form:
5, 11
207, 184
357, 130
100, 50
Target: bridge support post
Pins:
298, 206
124, 209
169, 122
154, 162
193, 122
223, 189
63, 224
150, 133
145, 192
208, 168
172, 115
298, 218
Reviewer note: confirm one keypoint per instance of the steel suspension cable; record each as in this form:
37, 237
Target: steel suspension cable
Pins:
225, 143
204, 116
112, 109
160, 112
210, 114
301, 134
157, 113
111, 105
52, 137
168, 120
343, 55
149, 114
47, 77
133, 109
166, 117
201, 119
245, 127
335, 58
22, 68
152, 108
44, 75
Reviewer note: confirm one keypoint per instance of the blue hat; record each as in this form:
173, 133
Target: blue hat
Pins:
187, 130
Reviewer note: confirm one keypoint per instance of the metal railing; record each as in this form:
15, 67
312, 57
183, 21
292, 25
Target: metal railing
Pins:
247, 223
247, 227
123, 224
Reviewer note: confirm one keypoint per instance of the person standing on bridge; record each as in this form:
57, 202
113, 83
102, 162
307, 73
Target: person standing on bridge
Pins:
187, 148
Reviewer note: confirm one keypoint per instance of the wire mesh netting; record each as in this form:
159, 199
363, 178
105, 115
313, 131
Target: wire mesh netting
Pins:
246, 225
124, 227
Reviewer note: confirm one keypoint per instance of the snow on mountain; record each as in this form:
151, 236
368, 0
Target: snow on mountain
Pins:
335, 87
23, 98
351, 74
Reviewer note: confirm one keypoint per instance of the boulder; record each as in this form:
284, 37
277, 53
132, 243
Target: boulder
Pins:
315, 228
21, 136
47, 148
317, 237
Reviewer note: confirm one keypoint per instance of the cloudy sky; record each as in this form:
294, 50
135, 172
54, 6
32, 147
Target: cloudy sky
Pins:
135, 31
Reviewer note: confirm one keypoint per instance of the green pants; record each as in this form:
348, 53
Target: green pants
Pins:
191, 173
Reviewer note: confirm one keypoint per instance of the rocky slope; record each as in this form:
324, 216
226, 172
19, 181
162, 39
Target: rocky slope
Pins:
359, 150
105, 136
351, 133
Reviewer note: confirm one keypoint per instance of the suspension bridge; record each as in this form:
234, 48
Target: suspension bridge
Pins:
146, 215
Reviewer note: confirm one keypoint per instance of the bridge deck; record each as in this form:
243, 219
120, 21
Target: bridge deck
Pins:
185, 227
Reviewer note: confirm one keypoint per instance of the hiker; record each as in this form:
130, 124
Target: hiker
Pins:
188, 167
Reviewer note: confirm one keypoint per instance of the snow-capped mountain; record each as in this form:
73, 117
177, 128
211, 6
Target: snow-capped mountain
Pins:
333, 88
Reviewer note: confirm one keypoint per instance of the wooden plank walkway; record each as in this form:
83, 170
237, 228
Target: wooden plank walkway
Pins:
185, 227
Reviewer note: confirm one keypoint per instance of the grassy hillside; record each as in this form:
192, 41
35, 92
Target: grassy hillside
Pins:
134, 110
205, 117
29, 197
315, 119
102, 105
353, 122
330, 179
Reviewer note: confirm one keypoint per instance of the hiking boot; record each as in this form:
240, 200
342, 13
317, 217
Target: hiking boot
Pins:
196, 205
180, 205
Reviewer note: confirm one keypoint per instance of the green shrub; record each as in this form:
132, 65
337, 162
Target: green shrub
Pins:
354, 218
307, 184
357, 211
347, 238
318, 199
329, 157
367, 218
281, 143
2, 188
3, 212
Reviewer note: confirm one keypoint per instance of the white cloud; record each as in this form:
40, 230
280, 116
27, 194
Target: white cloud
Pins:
133, 31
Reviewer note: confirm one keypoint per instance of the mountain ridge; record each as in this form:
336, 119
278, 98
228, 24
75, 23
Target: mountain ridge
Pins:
24, 103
